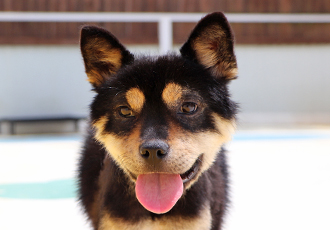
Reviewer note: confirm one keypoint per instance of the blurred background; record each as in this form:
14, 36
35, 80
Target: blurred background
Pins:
280, 157
283, 67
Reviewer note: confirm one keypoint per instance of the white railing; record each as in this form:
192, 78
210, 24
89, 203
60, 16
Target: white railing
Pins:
165, 20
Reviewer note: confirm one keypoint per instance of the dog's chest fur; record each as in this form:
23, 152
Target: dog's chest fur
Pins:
202, 222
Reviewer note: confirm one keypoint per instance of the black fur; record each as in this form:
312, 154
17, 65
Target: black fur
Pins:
103, 184
91, 163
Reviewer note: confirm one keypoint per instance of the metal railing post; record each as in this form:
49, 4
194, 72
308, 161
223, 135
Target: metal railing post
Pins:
165, 34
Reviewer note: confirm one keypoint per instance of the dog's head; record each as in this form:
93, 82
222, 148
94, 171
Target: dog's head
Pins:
164, 119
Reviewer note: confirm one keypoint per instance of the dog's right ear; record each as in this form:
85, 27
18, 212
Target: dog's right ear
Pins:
103, 54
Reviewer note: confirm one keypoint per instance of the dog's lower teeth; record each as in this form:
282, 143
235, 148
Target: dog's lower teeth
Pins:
187, 176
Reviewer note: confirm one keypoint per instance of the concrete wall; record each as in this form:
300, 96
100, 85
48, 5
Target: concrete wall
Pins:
283, 84
276, 84
38, 81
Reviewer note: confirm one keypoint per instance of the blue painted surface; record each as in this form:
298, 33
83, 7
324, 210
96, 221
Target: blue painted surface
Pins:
40, 138
58, 189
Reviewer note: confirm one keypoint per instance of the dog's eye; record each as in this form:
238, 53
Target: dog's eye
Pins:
125, 111
188, 108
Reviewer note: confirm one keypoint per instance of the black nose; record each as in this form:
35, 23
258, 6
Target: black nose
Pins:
154, 151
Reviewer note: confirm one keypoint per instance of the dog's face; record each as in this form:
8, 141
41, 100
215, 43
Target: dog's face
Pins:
165, 115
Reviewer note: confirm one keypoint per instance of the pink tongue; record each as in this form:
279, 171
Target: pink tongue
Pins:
158, 192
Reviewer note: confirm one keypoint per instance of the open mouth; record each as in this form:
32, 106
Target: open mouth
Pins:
191, 173
159, 192
187, 176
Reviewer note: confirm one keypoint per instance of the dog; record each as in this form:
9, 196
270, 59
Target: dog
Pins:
153, 157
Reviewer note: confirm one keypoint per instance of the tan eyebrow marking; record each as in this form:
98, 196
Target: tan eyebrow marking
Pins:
172, 93
135, 99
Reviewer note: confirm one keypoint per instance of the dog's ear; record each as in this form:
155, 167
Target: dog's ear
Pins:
103, 54
211, 44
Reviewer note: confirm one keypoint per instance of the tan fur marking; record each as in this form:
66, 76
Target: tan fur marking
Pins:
207, 45
212, 52
111, 55
171, 94
187, 146
99, 51
202, 222
135, 99
99, 126
125, 151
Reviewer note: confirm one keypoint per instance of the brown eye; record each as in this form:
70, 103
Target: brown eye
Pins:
188, 107
125, 111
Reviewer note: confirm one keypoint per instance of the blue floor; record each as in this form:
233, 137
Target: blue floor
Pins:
59, 189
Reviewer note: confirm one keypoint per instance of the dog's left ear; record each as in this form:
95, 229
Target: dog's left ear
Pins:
103, 54
211, 44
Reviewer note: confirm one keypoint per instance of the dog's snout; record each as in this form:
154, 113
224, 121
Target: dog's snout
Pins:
154, 151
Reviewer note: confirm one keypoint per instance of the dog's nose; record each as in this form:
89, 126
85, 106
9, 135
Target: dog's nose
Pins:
154, 151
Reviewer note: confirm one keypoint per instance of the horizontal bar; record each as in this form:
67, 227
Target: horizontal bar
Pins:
156, 17
90, 17
278, 18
